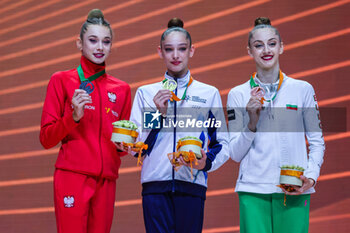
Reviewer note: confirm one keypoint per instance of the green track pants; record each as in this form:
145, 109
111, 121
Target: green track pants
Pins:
266, 213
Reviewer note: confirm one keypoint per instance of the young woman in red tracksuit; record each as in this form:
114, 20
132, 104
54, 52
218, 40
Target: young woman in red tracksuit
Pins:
79, 109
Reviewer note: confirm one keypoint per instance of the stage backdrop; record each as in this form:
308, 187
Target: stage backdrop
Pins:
37, 38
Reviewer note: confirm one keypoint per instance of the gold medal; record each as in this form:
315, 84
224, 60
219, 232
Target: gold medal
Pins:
169, 84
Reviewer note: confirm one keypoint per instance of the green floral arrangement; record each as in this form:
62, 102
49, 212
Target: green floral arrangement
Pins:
191, 138
125, 124
293, 167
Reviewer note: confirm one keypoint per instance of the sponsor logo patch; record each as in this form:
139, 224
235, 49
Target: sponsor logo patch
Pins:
90, 107
195, 99
115, 113
231, 114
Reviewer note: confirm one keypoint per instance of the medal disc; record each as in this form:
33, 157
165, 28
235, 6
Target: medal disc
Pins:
87, 86
170, 84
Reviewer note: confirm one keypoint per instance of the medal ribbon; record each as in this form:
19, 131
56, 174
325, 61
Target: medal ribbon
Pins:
253, 83
291, 173
132, 133
174, 97
92, 77
189, 157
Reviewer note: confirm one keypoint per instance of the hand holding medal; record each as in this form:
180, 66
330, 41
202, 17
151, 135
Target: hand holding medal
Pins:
165, 94
161, 100
259, 93
79, 99
254, 106
82, 96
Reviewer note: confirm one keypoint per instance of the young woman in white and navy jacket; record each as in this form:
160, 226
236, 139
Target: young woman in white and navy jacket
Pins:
173, 201
268, 133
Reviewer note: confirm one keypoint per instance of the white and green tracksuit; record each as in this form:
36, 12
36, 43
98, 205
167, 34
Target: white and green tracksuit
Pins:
280, 140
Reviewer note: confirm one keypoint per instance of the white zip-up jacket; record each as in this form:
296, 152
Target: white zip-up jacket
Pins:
280, 136
203, 102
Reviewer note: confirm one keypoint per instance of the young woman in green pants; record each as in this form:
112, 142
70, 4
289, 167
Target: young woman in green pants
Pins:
269, 117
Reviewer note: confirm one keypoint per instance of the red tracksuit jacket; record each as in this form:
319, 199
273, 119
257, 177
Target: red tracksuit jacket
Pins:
86, 146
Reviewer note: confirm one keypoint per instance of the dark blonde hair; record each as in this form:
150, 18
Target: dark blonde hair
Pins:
263, 22
175, 25
95, 17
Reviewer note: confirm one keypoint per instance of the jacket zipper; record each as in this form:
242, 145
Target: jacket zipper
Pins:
174, 143
100, 137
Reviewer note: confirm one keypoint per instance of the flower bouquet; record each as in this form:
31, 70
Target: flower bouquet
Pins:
125, 132
189, 148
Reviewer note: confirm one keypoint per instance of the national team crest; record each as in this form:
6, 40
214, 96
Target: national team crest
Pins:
112, 97
68, 201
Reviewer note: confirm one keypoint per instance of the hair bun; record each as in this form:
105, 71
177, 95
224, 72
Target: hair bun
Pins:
95, 13
175, 22
262, 20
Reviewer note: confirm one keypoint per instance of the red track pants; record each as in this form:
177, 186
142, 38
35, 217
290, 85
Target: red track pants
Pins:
83, 204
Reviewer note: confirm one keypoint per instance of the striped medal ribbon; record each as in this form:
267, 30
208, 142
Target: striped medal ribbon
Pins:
86, 83
170, 84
